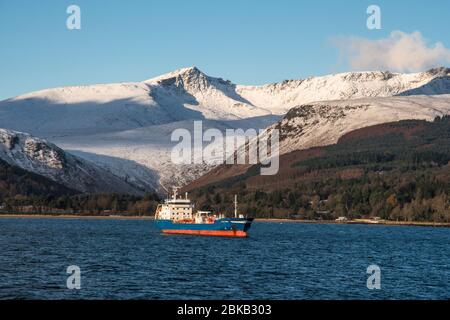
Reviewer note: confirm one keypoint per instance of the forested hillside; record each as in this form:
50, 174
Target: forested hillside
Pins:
22, 191
397, 171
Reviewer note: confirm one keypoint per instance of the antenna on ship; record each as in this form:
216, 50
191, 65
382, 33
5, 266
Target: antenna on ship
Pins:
175, 191
167, 192
235, 205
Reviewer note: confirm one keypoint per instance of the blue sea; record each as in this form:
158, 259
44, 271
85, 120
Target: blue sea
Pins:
130, 259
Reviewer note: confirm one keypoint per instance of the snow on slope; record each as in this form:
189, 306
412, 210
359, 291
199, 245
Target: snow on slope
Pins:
185, 94
190, 94
125, 128
39, 156
323, 123
283, 96
214, 98
150, 149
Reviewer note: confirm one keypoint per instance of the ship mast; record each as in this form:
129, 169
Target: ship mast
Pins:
175, 193
235, 205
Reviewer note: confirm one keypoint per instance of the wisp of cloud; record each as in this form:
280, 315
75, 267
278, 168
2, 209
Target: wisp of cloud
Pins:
400, 52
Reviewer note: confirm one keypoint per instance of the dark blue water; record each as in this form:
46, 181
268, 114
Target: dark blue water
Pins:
129, 259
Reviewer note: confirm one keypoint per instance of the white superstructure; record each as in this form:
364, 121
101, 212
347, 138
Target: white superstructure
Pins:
175, 209
182, 210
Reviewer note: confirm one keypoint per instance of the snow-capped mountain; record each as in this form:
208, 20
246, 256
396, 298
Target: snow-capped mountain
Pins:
190, 94
125, 128
281, 97
41, 157
323, 123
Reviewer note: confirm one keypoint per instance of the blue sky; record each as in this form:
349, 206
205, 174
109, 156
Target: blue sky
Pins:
248, 42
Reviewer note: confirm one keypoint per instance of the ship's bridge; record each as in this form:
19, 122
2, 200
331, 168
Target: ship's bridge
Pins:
176, 208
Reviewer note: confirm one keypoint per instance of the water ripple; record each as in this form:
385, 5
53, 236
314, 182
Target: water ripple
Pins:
128, 259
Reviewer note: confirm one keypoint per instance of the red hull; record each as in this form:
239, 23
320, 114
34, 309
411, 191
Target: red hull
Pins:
216, 233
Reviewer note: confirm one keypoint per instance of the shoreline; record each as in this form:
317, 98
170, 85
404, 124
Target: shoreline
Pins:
73, 216
364, 221
279, 220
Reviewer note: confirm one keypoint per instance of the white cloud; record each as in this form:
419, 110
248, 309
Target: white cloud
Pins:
400, 52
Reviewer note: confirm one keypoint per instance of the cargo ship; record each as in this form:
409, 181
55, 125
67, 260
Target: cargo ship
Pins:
176, 216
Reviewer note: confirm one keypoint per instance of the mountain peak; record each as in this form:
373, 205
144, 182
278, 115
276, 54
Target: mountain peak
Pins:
193, 70
188, 72
190, 79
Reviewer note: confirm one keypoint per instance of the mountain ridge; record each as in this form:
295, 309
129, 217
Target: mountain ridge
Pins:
323, 123
193, 87
87, 120
40, 157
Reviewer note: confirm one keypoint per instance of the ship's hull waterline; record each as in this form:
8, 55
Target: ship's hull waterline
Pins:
227, 227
